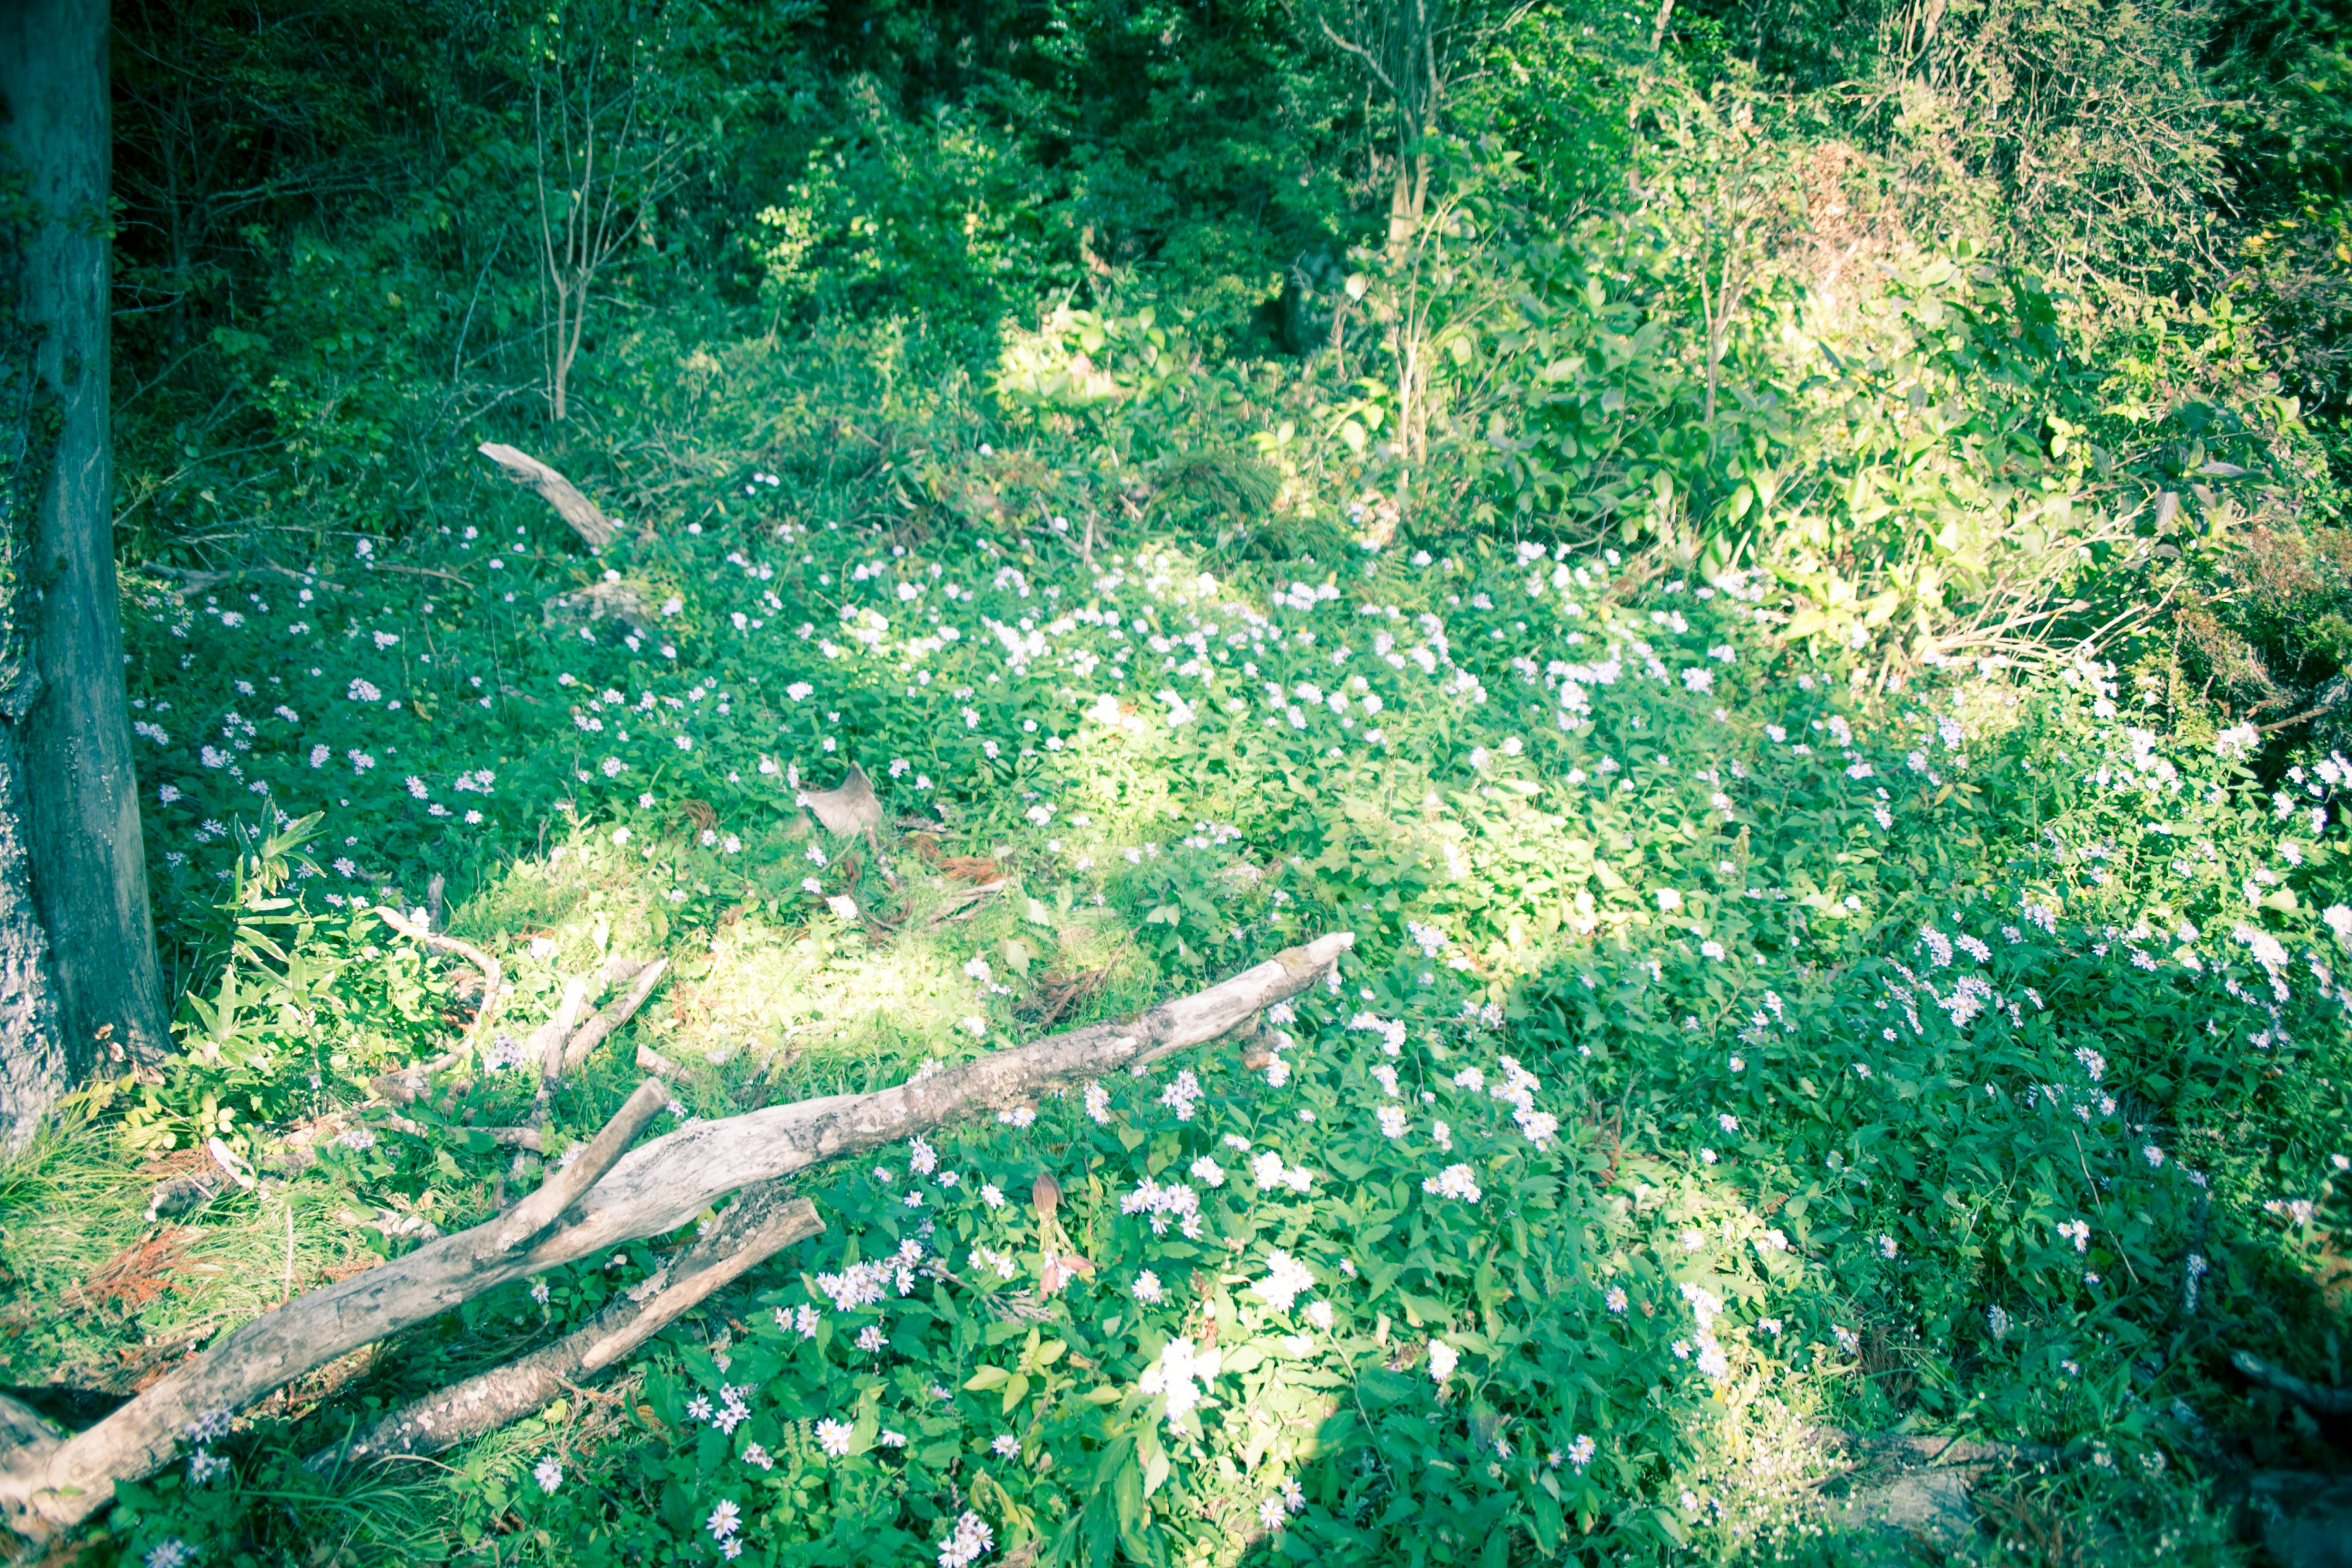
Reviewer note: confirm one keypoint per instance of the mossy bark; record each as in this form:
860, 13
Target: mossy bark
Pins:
76, 816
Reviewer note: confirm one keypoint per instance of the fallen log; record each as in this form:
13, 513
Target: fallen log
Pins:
2320, 1398
609, 1195
586, 520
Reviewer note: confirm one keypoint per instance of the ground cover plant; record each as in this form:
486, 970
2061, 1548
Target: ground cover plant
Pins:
1691, 1077
1811, 693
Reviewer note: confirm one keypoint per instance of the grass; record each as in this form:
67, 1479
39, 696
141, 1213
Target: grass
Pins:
1843, 1004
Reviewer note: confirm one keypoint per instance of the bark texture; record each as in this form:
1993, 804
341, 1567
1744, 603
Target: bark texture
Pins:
586, 520
81, 829
32, 1056
756, 1225
604, 1198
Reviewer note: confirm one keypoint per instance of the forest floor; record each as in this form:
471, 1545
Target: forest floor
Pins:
1735, 1052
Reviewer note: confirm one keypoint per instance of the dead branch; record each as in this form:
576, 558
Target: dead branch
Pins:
606, 1198
593, 1032
557, 491
493, 976
758, 1224
544, 1207
2318, 1398
545, 1047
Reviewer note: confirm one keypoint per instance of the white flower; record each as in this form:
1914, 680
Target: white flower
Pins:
1005, 1446
1443, 1359
968, 1543
1393, 1121
832, 1436
548, 1473
724, 1521
1456, 1181
1287, 1279
1615, 1299
1173, 1375
1146, 1288
1098, 1102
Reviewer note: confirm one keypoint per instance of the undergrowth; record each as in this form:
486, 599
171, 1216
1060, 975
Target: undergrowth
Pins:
1733, 1044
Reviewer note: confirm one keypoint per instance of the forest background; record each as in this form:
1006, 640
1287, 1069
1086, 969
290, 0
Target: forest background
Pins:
1779, 567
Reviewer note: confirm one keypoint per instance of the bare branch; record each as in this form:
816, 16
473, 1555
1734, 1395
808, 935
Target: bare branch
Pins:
647, 1192
586, 520
758, 1224
493, 976
545, 1207
593, 1032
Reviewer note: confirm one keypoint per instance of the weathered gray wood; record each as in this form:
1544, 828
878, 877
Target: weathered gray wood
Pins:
557, 491
652, 1189
757, 1224
850, 806
615, 1014
80, 824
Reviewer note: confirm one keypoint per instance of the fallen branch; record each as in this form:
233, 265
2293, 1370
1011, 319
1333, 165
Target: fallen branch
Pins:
493, 978
557, 491
758, 1224
545, 1047
593, 1032
2318, 1398
646, 1191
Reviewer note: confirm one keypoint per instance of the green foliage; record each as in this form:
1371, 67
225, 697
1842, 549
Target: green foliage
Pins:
1748, 605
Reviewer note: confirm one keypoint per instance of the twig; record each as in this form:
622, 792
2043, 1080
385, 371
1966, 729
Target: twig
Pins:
593, 1032
493, 976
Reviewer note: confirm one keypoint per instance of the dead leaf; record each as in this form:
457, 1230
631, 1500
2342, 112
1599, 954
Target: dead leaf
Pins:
139, 1273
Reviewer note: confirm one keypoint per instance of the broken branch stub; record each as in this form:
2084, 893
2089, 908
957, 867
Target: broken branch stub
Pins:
648, 1190
557, 491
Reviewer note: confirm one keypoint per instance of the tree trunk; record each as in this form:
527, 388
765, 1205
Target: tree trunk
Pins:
77, 815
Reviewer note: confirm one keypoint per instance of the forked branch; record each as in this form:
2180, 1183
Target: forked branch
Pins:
647, 1192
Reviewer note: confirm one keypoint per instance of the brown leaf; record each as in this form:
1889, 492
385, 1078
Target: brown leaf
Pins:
1061, 1268
971, 868
1046, 1194
141, 1272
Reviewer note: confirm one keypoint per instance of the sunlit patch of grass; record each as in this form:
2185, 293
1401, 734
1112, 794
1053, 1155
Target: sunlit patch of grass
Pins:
106, 1297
